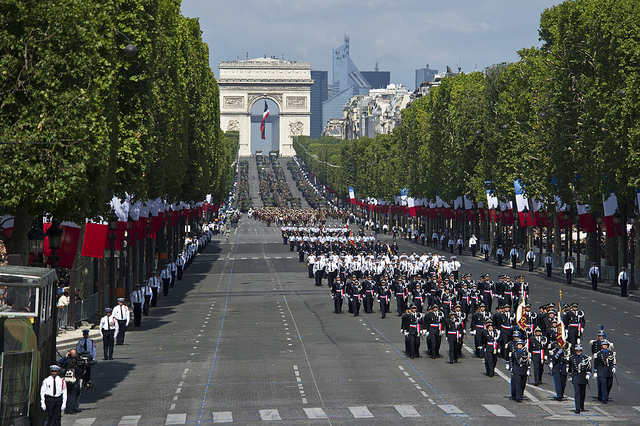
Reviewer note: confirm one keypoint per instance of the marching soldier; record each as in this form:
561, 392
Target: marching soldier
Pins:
580, 372
384, 295
337, 293
454, 333
478, 325
604, 364
596, 346
574, 320
434, 337
411, 326
537, 347
519, 363
488, 345
559, 365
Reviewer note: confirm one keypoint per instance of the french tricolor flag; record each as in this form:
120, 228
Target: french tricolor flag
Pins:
352, 195
265, 115
610, 204
522, 203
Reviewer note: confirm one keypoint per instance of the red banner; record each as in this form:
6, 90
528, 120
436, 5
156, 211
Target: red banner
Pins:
93, 244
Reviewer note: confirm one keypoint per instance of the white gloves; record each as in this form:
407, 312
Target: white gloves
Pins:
64, 407
528, 372
44, 406
613, 370
551, 365
473, 333
595, 374
588, 376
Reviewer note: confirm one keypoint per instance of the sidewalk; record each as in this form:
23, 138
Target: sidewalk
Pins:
69, 339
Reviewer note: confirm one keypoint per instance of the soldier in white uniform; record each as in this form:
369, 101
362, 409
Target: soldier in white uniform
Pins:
121, 314
53, 396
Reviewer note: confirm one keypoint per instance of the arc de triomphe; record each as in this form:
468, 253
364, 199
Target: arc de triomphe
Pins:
288, 84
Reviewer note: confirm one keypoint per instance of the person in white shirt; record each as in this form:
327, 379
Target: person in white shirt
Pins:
180, 265
165, 276
53, 396
173, 269
548, 263
514, 257
86, 345
531, 257
108, 332
473, 245
568, 270
500, 254
121, 314
137, 300
623, 281
487, 251
594, 274
154, 283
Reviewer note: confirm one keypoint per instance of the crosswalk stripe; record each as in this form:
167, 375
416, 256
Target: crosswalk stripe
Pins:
85, 422
129, 420
222, 417
450, 409
498, 410
406, 411
176, 419
315, 413
361, 412
267, 415
637, 407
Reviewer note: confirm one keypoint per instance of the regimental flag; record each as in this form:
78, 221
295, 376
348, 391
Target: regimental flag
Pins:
265, 115
561, 333
521, 318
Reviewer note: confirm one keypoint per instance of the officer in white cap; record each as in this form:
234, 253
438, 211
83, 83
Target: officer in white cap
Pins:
53, 396
121, 314
108, 332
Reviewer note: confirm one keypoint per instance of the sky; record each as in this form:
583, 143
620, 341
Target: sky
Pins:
400, 35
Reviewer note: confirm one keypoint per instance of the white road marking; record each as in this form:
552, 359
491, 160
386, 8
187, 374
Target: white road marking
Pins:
498, 410
129, 420
361, 412
85, 422
450, 409
222, 417
268, 415
406, 411
176, 419
315, 413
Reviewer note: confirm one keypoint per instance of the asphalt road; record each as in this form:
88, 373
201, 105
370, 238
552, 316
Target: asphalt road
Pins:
247, 338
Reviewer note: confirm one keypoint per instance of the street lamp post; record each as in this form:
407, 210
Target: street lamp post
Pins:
632, 249
113, 226
566, 216
36, 242
542, 216
55, 237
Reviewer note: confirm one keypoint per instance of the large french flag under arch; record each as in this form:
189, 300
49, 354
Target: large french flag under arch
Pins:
265, 115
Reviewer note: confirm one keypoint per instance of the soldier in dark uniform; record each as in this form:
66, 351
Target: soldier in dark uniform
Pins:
454, 333
412, 327
337, 293
489, 347
434, 338
596, 346
519, 362
559, 365
417, 296
486, 287
604, 364
355, 296
384, 295
537, 347
580, 372
478, 321
368, 293
574, 321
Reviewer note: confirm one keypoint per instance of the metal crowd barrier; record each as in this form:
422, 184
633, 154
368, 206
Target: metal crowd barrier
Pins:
84, 310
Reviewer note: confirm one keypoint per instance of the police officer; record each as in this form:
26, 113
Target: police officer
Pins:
580, 372
108, 332
180, 265
594, 274
568, 270
531, 257
514, 257
454, 333
154, 283
137, 300
623, 281
537, 347
499, 255
121, 314
548, 263
53, 396
337, 293
604, 364
165, 276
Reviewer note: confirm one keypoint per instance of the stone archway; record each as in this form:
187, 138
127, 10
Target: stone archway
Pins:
287, 84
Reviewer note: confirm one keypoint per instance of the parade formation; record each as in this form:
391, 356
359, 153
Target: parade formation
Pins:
437, 302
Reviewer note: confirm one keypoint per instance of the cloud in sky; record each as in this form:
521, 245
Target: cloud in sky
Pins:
401, 35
